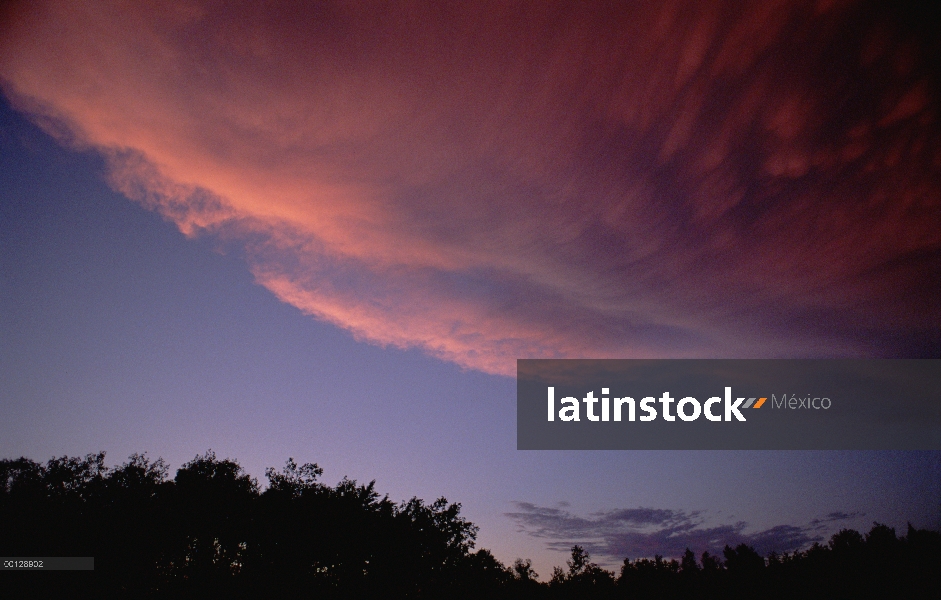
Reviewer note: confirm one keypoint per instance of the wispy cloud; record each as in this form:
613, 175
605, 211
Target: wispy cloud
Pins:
633, 533
834, 517
489, 181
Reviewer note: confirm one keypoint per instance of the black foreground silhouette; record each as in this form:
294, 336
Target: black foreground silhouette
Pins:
212, 532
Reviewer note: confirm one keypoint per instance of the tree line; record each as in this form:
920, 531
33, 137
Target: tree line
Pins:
211, 531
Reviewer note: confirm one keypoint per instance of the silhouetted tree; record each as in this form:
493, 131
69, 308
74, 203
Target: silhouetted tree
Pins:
525, 584
211, 531
584, 579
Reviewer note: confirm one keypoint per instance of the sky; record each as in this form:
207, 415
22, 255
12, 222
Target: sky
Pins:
328, 230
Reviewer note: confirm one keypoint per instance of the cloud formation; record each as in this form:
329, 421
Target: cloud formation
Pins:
491, 181
645, 532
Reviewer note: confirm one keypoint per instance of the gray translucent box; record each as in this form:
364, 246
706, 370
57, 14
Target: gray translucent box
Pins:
47, 563
767, 404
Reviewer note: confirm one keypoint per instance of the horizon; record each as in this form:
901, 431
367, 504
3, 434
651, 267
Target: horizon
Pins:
92, 475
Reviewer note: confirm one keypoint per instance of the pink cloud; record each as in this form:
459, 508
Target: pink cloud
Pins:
490, 181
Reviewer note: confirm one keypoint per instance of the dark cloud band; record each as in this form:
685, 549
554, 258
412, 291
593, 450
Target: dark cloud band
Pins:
646, 532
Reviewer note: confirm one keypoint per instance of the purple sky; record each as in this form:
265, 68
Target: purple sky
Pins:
328, 233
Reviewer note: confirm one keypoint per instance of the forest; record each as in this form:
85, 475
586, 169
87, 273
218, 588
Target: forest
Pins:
213, 531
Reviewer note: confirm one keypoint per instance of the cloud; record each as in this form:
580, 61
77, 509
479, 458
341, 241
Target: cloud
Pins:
490, 181
833, 517
634, 533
